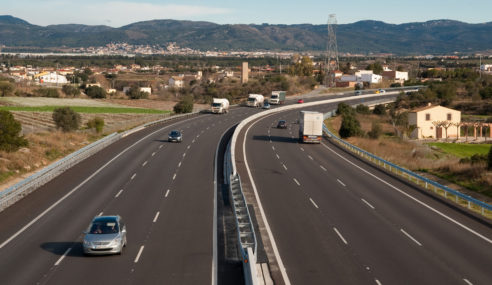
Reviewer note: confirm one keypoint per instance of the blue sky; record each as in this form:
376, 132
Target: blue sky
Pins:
117, 13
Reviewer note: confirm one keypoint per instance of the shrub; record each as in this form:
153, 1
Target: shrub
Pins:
6, 88
97, 123
96, 92
10, 138
362, 109
135, 93
489, 159
71, 90
66, 119
184, 106
47, 92
376, 131
344, 109
380, 109
350, 127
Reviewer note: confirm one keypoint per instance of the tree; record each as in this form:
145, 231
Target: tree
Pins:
362, 109
376, 131
489, 159
376, 68
96, 92
350, 126
302, 67
135, 93
71, 90
185, 105
344, 109
6, 88
379, 109
97, 123
47, 92
66, 119
10, 138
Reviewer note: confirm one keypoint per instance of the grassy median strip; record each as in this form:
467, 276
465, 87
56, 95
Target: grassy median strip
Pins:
82, 109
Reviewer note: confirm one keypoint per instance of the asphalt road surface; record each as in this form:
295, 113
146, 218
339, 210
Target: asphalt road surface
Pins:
338, 220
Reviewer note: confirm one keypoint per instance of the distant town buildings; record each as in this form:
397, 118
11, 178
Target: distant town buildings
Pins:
50, 77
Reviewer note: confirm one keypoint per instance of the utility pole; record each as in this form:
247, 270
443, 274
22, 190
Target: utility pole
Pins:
332, 52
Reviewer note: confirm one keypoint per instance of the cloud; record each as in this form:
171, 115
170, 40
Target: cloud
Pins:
114, 13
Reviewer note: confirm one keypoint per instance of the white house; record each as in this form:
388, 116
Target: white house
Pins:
176, 81
362, 76
146, 90
486, 67
396, 76
434, 122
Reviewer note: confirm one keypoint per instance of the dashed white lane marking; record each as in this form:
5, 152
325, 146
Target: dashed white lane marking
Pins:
139, 253
100, 214
312, 201
161, 146
119, 193
410, 237
467, 281
340, 236
133, 176
153, 153
145, 163
322, 167
193, 141
184, 154
174, 176
62, 257
167, 193
302, 149
285, 167
273, 148
156, 217
377, 282
297, 182
341, 183
179, 164
270, 141
188, 147
310, 157
278, 157
368, 204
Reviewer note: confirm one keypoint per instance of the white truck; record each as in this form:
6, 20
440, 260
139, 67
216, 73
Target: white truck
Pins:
310, 126
255, 100
220, 105
277, 97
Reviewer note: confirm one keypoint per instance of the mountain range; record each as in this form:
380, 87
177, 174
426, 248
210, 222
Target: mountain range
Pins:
363, 37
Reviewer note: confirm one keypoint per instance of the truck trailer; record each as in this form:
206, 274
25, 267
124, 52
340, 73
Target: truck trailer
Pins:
255, 100
277, 97
220, 105
310, 127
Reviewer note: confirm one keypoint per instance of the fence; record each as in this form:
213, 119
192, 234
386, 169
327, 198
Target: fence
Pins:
458, 197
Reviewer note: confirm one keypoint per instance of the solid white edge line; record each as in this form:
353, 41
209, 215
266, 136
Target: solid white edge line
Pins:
139, 253
118, 194
81, 184
340, 181
156, 217
62, 257
410, 237
413, 198
281, 266
297, 182
340, 235
467, 281
312, 201
368, 204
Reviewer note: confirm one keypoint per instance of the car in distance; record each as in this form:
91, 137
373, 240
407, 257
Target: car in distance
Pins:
282, 124
300, 101
105, 235
381, 91
266, 105
175, 136
358, 92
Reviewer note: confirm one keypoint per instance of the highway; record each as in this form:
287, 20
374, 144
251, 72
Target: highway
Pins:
164, 192
334, 219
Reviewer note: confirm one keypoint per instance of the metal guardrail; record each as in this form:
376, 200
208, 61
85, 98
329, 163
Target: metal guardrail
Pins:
16, 192
460, 198
244, 225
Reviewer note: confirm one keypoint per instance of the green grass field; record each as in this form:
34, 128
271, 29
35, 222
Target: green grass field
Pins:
91, 110
463, 150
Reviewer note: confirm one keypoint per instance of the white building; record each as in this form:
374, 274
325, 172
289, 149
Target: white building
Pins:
362, 76
51, 77
486, 67
176, 81
146, 90
396, 76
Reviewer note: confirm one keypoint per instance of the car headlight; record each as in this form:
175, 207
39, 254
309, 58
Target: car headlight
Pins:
115, 242
87, 244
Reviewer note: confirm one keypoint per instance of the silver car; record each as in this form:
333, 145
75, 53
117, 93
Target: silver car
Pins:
105, 235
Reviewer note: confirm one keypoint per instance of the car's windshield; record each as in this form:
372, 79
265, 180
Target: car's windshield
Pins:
104, 227
216, 104
174, 133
